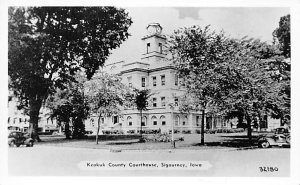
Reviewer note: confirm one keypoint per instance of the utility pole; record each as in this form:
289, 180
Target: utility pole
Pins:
172, 125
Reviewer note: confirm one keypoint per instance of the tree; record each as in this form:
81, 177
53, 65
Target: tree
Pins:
283, 36
282, 67
141, 101
199, 55
105, 95
47, 45
69, 105
225, 75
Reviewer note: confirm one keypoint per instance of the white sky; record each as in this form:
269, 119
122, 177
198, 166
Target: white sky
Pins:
236, 22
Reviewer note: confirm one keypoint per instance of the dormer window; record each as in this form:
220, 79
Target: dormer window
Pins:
148, 47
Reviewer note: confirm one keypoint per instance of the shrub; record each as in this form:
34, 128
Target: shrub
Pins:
186, 131
158, 138
198, 131
107, 132
175, 131
229, 130
150, 131
130, 131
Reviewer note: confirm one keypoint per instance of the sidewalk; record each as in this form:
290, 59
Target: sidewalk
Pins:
237, 141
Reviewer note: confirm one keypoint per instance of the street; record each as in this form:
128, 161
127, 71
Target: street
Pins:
64, 161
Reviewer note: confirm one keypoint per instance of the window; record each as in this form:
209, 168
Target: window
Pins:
176, 101
163, 120
197, 120
163, 79
163, 101
148, 47
92, 122
177, 121
129, 79
144, 121
154, 104
176, 80
143, 82
115, 119
154, 81
154, 120
184, 122
160, 47
129, 121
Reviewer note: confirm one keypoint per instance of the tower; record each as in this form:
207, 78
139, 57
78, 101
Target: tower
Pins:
154, 43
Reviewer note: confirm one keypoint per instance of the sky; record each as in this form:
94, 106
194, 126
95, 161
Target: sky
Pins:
237, 22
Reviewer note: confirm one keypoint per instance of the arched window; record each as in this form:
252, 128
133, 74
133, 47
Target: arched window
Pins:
177, 121
144, 121
163, 120
154, 120
184, 121
129, 121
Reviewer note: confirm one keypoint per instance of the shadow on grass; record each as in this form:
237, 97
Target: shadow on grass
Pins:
233, 142
239, 137
123, 143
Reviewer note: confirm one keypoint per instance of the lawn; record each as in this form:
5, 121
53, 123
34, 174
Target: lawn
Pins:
131, 142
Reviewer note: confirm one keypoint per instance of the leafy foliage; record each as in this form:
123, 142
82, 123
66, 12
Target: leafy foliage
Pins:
224, 75
48, 45
283, 35
105, 95
141, 98
69, 105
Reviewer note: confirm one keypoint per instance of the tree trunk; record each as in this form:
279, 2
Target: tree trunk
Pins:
34, 111
202, 127
281, 121
141, 124
98, 129
240, 121
266, 121
249, 129
67, 130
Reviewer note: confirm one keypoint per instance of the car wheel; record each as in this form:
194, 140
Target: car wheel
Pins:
265, 144
12, 144
30, 144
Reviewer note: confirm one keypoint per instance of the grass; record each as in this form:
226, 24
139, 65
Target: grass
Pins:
191, 141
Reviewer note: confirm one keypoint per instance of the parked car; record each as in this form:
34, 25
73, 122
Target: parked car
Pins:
17, 138
281, 137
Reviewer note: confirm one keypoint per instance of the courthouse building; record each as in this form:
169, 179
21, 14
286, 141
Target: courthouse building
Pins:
152, 71
155, 72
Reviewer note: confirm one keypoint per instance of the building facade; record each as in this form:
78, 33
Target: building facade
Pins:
155, 72
18, 121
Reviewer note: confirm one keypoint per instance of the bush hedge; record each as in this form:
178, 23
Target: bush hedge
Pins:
186, 131
220, 130
107, 132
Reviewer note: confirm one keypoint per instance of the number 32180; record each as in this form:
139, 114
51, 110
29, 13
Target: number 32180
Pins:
268, 169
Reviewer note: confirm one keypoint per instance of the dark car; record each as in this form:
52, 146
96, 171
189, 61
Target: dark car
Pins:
280, 137
17, 138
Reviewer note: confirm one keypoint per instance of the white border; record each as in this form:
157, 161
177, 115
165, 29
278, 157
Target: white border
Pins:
295, 159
